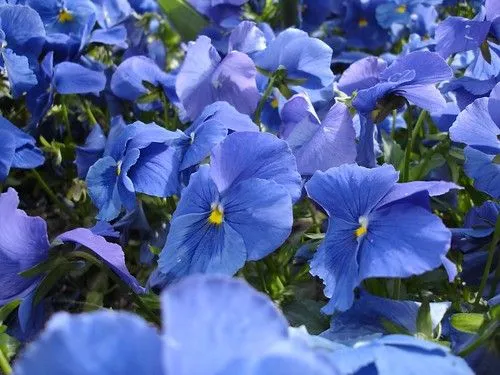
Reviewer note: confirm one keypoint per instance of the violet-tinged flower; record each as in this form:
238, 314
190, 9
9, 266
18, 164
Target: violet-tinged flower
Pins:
17, 149
377, 228
138, 158
317, 145
412, 77
22, 37
478, 127
205, 78
367, 318
238, 209
306, 60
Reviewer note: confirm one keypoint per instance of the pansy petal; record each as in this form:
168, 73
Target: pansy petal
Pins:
427, 97
21, 77
111, 253
475, 128
261, 212
156, 172
101, 183
237, 323
484, 170
247, 38
91, 151
225, 114
361, 74
7, 150
81, 344
23, 244
125, 186
421, 241
71, 78
245, 155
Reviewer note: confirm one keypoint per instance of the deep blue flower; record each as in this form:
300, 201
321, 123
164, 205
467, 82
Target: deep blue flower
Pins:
65, 16
238, 209
138, 158
377, 228
22, 37
204, 78
360, 25
317, 145
91, 151
64, 78
221, 11
478, 127
17, 150
367, 318
306, 60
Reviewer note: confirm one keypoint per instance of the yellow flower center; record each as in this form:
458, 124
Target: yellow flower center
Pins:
217, 215
362, 22
64, 16
274, 103
363, 227
401, 9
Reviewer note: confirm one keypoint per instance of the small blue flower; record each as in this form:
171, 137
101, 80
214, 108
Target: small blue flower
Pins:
306, 60
17, 149
238, 209
478, 127
204, 79
376, 228
138, 158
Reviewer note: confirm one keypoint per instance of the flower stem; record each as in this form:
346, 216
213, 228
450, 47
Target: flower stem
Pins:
65, 117
412, 135
489, 261
4, 364
45, 187
263, 99
88, 112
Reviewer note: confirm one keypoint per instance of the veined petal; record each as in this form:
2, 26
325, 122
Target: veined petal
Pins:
260, 211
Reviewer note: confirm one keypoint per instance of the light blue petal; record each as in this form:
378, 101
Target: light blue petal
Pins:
71, 78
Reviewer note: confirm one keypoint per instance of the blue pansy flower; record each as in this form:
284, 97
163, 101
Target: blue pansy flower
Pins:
399, 355
478, 127
205, 78
138, 158
238, 209
377, 228
17, 150
240, 332
210, 129
88, 344
64, 78
360, 25
408, 13
91, 151
127, 80
247, 38
110, 13
306, 60
367, 318
317, 145
380, 89
22, 37
221, 11
65, 16
24, 244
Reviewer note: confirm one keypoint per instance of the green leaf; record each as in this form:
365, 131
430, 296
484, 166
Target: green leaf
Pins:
393, 153
53, 276
467, 322
7, 309
148, 98
393, 328
485, 51
424, 320
185, 19
43, 267
306, 312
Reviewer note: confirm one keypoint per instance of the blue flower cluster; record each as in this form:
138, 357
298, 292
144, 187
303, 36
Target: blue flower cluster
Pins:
249, 187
